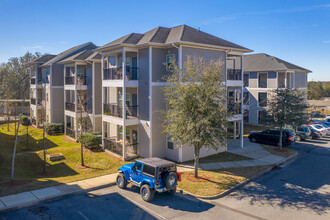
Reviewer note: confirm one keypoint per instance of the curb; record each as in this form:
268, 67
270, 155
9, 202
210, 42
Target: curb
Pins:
188, 195
60, 196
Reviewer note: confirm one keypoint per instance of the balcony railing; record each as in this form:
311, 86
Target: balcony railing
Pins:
33, 81
234, 74
70, 132
117, 111
117, 73
235, 108
114, 145
70, 106
69, 80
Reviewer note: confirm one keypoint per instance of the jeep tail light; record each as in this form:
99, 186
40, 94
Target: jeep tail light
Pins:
157, 182
179, 176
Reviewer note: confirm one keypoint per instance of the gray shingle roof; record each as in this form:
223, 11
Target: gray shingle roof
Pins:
43, 58
264, 62
64, 54
180, 34
82, 56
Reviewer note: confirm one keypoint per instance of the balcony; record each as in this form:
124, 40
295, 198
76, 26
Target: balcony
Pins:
81, 80
117, 73
117, 111
70, 106
69, 80
70, 132
33, 81
113, 145
235, 108
234, 74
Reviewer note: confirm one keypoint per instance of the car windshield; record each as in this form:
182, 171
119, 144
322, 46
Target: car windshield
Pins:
318, 126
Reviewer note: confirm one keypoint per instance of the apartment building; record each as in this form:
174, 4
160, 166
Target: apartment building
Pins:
82, 93
264, 73
51, 85
133, 73
37, 91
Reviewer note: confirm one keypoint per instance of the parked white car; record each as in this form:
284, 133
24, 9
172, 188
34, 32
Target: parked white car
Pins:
328, 116
319, 128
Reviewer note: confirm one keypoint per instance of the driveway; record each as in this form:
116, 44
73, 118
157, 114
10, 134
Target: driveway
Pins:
300, 190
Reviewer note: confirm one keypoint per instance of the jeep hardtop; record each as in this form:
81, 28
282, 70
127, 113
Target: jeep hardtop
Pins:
151, 175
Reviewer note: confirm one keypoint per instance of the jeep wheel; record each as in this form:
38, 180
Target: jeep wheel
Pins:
171, 180
147, 193
121, 181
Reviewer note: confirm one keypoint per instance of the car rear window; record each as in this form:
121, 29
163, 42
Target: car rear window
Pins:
318, 126
149, 170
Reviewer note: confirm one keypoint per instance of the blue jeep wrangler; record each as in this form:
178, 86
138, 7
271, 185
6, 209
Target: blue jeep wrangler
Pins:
151, 175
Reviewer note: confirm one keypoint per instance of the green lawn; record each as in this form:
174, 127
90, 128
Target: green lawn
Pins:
211, 183
29, 162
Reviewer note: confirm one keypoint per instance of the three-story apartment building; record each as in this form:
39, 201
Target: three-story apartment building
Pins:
264, 73
133, 73
37, 91
51, 86
82, 93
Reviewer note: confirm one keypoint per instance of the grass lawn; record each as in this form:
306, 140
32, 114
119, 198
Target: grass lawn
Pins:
220, 157
211, 183
284, 152
29, 162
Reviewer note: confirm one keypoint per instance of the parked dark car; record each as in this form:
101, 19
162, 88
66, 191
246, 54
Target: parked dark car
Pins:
303, 133
272, 137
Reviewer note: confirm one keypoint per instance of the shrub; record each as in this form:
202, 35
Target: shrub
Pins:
97, 132
25, 120
54, 128
90, 140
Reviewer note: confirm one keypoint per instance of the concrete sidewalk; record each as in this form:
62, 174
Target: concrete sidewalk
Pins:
256, 152
33, 197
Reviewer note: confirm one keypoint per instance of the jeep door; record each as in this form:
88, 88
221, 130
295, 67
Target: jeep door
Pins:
136, 172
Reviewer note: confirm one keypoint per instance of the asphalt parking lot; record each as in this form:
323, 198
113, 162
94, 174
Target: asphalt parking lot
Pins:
298, 190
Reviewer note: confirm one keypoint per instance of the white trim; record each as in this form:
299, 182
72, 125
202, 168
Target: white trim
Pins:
160, 83
242, 101
180, 67
57, 87
93, 93
150, 100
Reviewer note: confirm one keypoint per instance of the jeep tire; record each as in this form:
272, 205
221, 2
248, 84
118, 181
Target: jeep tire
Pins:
147, 193
171, 180
121, 181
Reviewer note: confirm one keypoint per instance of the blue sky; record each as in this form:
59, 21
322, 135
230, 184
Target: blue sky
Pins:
297, 30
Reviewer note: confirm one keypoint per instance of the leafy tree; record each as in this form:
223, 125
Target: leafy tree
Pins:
287, 107
14, 77
196, 98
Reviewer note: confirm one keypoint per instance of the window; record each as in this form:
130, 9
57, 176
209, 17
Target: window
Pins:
246, 80
112, 61
262, 80
262, 117
170, 144
246, 116
138, 166
169, 59
149, 170
262, 99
